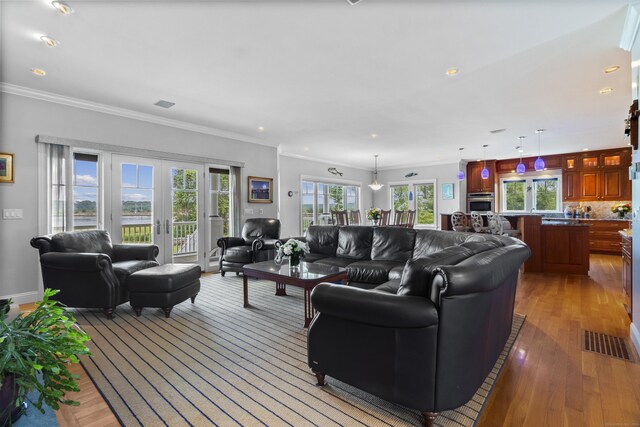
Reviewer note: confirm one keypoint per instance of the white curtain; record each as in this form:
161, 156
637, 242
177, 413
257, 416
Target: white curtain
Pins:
58, 176
235, 177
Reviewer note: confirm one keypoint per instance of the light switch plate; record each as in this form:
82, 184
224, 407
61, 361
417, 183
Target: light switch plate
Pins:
12, 214
248, 211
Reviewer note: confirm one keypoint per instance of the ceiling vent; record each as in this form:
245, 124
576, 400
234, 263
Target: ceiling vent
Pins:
497, 131
165, 104
353, 2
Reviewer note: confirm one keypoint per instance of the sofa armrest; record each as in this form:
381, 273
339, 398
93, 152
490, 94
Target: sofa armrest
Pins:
76, 261
135, 252
229, 242
374, 308
42, 244
256, 246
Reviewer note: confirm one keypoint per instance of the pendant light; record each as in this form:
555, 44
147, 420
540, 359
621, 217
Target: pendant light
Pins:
485, 172
375, 186
539, 163
460, 172
521, 168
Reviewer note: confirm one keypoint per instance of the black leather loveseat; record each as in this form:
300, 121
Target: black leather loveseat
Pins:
88, 269
426, 316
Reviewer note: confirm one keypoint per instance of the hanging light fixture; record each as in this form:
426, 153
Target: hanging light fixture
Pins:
485, 172
460, 172
539, 163
375, 186
521, 168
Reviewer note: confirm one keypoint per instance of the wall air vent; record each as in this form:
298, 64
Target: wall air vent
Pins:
165, 104
497, 131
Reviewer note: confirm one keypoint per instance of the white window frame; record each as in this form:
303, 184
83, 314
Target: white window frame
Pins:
529, 196
326, 181
100, 191
412, 203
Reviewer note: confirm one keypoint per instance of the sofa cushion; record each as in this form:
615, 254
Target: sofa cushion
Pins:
322, 239
239, 254
311, 257
396, 272
392, 243
337, 262
431, 241
124, 269
390, 287
371, 271
92, 241
417, 274
354, 242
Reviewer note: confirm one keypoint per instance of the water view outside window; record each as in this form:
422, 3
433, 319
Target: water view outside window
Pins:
85, 191
319, 199
514, 195
136, 201
545, 194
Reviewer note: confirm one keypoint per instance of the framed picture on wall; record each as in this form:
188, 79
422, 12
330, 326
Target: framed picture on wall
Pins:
447, 191
6, 167
260, 190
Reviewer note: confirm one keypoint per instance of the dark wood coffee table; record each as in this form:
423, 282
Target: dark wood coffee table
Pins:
308, 276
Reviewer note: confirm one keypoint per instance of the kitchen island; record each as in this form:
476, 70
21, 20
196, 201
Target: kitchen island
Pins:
556, 246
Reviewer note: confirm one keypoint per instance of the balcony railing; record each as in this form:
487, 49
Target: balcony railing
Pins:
185, 236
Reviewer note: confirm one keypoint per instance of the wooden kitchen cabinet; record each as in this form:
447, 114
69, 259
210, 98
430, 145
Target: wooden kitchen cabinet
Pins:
589, 185
475, 183
604, 236
571, 186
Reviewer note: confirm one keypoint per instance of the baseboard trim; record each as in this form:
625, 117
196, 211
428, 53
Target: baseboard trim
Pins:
23, 298
635, 337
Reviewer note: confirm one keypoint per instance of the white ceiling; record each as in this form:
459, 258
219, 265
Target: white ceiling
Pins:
322, 76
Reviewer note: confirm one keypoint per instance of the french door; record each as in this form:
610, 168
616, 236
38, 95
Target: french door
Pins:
160, 202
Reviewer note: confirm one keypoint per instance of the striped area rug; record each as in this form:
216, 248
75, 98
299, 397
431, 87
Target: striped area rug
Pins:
217, 363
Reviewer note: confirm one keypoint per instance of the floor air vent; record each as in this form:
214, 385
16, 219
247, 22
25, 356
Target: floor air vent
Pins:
606, 344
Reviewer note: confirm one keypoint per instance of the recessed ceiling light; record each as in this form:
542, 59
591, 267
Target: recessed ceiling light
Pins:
165, 104
452, 71
306, 148
374, 135
611, 69
49, 41
260, 129
585, 149
606, 91
39, 72
62, 7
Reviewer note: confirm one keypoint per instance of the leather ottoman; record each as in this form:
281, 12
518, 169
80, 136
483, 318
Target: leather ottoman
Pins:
163, 286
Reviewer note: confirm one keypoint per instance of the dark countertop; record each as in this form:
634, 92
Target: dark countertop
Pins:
564, 224
583, 219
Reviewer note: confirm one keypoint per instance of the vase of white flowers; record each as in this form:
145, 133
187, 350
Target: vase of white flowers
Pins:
293, 249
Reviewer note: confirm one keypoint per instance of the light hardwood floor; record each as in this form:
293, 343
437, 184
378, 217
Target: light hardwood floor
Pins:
547, 379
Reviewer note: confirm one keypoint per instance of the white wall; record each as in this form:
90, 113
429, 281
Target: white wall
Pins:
291, 171
21, 119
443, 174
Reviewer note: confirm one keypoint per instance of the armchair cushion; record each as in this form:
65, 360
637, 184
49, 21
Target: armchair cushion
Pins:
91, 241
134, 252
239, 254
124, 269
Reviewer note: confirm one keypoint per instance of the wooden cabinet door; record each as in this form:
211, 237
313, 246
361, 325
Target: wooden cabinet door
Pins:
612, 184
474, 180
589, 185
571, 186
570, 162
489, 183
589, 162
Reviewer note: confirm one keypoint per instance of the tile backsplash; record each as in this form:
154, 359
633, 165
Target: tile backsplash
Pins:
598, 209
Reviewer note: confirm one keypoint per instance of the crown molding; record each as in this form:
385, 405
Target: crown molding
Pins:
631, 26
328, 162
123, 112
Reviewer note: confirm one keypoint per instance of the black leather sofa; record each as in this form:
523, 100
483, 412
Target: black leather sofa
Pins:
425, 317
88, 269
259, 237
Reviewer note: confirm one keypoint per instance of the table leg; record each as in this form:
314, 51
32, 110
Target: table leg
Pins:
281, 289
245, 290
309, 311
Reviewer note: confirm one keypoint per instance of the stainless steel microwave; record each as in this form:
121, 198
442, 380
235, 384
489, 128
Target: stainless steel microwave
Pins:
481, 202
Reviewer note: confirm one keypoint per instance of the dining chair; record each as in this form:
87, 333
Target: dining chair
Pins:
385, 216
459, 221
340, 217
398, 218
411, 218
478, 223
495, 223
354, 218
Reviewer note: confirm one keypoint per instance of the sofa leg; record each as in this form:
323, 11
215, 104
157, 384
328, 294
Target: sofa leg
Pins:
193, 298
138, 311
108, 312
430, 418
167, 311
222, 273
320, 378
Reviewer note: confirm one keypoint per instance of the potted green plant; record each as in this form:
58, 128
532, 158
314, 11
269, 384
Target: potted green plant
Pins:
35, 350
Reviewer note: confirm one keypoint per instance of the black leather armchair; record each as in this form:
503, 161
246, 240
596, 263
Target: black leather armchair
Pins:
88, 269
258, 242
